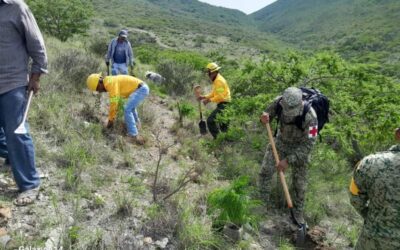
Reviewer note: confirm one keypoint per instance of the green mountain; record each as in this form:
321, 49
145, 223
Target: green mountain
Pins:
204, 11
174, 14
361, 30
189, 24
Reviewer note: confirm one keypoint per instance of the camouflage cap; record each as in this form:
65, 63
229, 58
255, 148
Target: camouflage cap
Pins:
292, 101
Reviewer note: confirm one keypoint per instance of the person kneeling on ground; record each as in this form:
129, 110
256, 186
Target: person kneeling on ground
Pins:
122, 86
220, 94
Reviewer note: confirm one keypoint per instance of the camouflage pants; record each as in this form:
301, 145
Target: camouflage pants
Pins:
299, 178
368, 243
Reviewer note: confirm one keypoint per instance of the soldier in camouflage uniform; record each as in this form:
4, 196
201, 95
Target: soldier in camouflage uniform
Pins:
293, 144
375, 194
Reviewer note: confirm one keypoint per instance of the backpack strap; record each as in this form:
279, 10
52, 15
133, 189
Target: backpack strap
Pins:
278, 112
298, 121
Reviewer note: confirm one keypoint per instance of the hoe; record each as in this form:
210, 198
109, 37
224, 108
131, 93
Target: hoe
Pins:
202, 123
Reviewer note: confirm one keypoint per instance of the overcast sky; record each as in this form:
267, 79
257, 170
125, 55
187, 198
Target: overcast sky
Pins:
247, 6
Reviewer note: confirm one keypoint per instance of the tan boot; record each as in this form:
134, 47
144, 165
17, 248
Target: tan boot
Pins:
139, 140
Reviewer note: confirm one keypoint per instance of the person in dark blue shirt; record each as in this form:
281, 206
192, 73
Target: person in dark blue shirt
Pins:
120, 54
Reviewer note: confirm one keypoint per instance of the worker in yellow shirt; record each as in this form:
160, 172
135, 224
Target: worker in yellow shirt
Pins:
221, 95
122, 86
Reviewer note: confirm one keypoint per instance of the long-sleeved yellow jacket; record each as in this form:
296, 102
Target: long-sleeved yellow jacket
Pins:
220, 90
120, 86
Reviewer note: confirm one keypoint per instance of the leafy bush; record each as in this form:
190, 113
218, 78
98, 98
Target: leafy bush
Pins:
185, 109
233, 204
112, 23
62, 18
141, 38
179, 76
75, 66
147, 54
192, 59
99, 46
362, 101
151, 55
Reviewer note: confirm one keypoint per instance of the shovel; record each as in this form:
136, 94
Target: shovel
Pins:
202, 123
108, 69
21, 128
302, 230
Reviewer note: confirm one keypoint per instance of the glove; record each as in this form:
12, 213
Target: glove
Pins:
108, 64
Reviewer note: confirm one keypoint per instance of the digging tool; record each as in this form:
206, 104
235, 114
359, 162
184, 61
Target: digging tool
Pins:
21, 128
108, 68
202, 123
302, 230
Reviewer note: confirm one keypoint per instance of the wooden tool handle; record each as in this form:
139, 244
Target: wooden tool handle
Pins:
27, 106
201, 113
281, 174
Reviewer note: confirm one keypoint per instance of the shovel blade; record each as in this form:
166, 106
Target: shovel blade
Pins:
301, 235
21, 129
203, 127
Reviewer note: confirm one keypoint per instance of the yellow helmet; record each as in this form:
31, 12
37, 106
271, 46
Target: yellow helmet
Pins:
92, 81
212, 67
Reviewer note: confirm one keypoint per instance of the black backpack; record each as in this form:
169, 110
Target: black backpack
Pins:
312, 98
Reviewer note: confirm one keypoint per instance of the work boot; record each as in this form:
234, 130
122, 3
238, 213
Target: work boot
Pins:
139, 140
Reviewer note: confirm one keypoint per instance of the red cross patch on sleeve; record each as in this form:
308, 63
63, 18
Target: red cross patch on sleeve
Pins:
312, 131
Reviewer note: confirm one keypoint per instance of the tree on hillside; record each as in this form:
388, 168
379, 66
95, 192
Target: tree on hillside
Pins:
62, 18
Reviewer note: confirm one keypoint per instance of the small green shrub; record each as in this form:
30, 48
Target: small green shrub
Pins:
99, 46
75, 66
233, 204
185, 109
141, 38
196, 233
179, 77
193, 59
112, 23
124, 204
147, 54
136, 185
98, 201
72, 178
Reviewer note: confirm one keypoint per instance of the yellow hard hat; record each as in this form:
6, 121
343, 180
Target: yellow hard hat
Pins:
92, 81
212, 67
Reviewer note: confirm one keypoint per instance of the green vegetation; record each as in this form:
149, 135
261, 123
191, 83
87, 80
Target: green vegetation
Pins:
188, 24
195, 233
107, 185
62, 18
361, 31
233, 205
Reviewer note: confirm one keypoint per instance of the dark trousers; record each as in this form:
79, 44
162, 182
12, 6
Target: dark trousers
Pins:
212, 124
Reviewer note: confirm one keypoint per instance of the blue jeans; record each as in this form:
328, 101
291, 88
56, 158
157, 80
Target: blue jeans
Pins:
3, 144
119, 69
20, 146
130, 112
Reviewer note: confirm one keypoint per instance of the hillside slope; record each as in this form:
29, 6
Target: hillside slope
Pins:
204, 11
361, 30
188, 25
